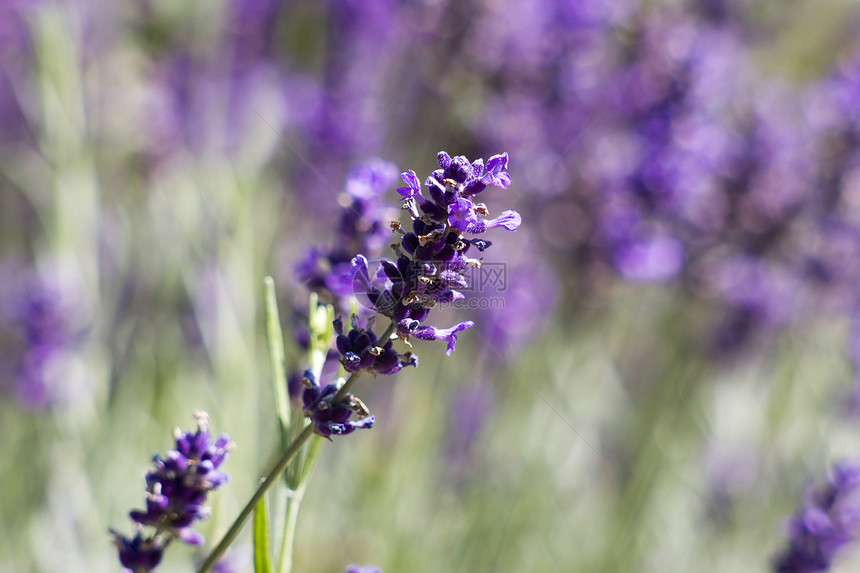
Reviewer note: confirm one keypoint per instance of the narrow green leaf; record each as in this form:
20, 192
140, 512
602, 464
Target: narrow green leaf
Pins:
276, 353
262, 557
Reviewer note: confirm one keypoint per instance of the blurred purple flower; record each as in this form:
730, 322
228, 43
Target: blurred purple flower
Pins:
48, 324
757, 295
362, 569
652, 259
827, 522
364, 227
521, 308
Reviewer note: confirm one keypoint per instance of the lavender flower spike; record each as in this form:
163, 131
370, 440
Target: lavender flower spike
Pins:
433, 259
175, 492
828, 521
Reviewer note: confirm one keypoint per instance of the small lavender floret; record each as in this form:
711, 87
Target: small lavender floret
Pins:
828, 521
175, 492
139, 553
331, 418
447, 334
359, 350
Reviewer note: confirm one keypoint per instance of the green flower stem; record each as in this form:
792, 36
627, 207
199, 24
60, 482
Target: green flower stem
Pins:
299, 485
294, 496
294, 501
270, 479
668, 411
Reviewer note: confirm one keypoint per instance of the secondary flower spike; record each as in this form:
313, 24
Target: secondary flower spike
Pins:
433, 259
175, 492
359, 350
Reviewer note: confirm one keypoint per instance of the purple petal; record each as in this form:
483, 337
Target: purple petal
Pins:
496, 174
413, 186
461, 214
190, 537
370, 179
510, 220
448, 334
364, 423
654, 259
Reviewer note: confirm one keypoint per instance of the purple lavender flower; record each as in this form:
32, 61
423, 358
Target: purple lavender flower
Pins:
176, 490
431, 265
828, 521
331, 418
432, 258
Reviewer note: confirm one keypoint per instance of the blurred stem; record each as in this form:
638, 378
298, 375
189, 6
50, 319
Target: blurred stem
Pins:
648, 466
64, 142
781, 391
666, 413
267, 483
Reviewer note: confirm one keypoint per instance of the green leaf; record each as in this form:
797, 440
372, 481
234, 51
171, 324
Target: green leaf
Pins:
262, 557
276, 353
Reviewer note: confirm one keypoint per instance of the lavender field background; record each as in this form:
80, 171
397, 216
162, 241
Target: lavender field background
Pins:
665, 353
